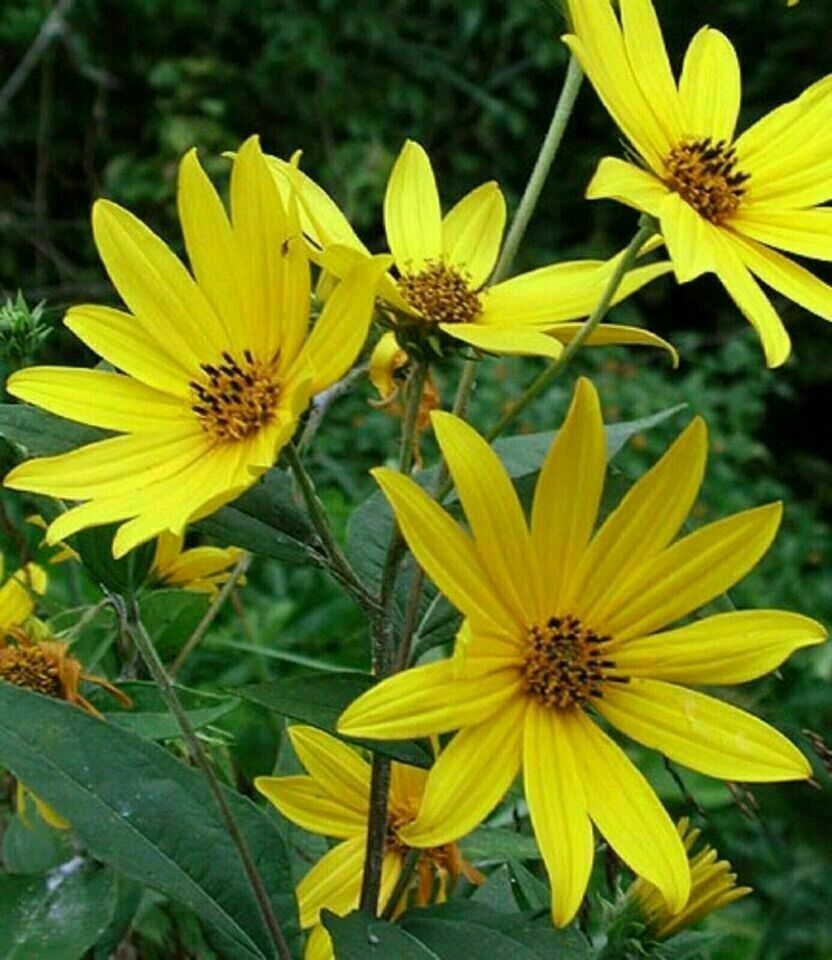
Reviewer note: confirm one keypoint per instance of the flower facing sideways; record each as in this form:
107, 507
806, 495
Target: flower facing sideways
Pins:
333, 800
217, 367
723, 201
198, 569
564, 629
443, 263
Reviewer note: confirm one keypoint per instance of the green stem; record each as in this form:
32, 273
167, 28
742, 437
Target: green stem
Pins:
542, 381
148, 652
411, 861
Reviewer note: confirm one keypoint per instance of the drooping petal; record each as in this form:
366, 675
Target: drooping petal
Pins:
472, 231
692, 572
607, 334
628, 813
319, 944
304, 802
701, 732
336, 768
557, 805
107, 400
808, 233
726, 648
17, 596
470, 778
568, 494
623, 181
688, 237
387, 357
710, 86
412, 215
511, 341
447, 554
334, 883
643, 524
426, 700
494, 515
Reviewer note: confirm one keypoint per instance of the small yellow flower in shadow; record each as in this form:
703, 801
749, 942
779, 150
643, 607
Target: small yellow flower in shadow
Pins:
218, 364
565, 628
723, 201
443, 264
198, 569
333, 800
712, 886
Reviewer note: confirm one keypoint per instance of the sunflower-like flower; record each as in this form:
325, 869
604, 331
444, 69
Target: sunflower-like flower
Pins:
712, 886
198, 569
217, 366
723, 201
564, 628
333, 800
443, 264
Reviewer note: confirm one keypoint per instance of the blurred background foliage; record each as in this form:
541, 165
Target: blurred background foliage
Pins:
126, 86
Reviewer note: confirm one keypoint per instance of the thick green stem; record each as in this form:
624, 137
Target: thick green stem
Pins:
148, 652
542, 381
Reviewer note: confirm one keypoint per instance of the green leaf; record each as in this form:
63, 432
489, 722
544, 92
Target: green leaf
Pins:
320, 698
498, 843
43, 434
265, 520
31, 845
148, 815
171, 616
359, 937
58, 916
124, 576
688, 945
150, 717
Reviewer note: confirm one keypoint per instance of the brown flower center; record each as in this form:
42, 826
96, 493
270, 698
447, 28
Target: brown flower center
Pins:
237, 397
565, 663
704, 174
441, 294
31, 667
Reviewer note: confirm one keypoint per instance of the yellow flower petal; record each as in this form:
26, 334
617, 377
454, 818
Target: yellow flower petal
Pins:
568, 494
688, 237
319, 944
512, 341
628, 813
412, 215
726, 648
434, 698
710, 86
407, 785
808, 233
386, 358
334, 883
494, 515
335, 767
607, 334
557, 805
693, 571
305, 803
447, 554
623, 181
701, 732
472, 232
470, 778
17, 596
102, 399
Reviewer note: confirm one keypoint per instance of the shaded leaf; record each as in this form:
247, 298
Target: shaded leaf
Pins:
43, 434
498, 843
171, 616
359, 937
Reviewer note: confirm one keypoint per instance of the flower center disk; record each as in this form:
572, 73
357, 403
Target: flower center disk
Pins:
441, 294
704, 174
32, 668
565, 663
237, 398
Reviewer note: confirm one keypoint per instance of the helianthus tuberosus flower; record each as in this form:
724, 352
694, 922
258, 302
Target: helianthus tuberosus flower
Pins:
198, 569
712, 886
725, 203
443, 264
333, 800
217, 366
563, 627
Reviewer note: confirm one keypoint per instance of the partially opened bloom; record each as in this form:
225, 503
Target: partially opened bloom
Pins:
723, 201
217, 366
564, 628
333, 800
198, 569
443, 264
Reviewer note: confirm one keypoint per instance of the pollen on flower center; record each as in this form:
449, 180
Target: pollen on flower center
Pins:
31, 667
565, 663
704, 174
237, 398
441, 294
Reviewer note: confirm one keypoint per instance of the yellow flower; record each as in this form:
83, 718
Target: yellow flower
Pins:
722, 201
563, 627
219, 365
17, 595
444, 263
712, 886
199, 569
333, 800
63, 552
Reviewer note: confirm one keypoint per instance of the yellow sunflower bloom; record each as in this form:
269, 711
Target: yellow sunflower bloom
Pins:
443, 264
198, 569
723, 202
712, 886
563, 627
218, 366
333, 800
